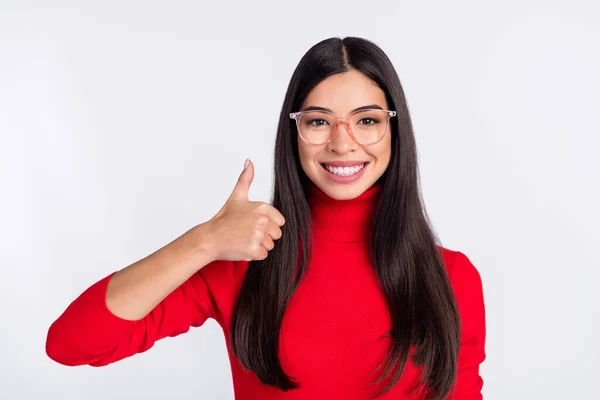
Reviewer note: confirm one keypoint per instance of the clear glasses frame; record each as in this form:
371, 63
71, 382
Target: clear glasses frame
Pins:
341, 120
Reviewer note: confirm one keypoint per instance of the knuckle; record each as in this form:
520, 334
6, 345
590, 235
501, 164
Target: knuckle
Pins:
264, 207
259, 252
258, 235
262, 221
254, 250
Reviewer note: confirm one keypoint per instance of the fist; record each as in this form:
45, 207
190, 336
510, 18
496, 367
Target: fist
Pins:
244, 230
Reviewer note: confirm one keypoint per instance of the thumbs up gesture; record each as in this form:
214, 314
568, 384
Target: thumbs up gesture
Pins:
242, 229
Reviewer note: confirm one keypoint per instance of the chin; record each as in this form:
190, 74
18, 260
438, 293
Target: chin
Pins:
344, 191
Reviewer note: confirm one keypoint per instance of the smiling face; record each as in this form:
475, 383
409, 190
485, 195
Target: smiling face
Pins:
342, 94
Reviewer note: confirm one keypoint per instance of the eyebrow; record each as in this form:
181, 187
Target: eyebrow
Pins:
367, 107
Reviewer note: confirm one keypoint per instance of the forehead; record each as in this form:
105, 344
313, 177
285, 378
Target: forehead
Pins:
344, 92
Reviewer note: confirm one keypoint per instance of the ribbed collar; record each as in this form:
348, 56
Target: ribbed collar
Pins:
343, 220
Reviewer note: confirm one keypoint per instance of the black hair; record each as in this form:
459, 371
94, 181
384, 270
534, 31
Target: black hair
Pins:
404, 248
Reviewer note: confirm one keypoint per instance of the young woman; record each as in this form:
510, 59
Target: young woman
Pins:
338, 289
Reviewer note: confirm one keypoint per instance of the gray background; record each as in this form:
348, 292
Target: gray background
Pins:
123, 124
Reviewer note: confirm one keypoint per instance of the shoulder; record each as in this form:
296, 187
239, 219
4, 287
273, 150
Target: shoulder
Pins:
461, 271
466, 283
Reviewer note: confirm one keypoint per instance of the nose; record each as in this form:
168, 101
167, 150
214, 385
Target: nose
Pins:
341, 142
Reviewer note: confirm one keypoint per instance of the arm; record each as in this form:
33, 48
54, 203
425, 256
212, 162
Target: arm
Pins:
165, 293
469, 296
128, 311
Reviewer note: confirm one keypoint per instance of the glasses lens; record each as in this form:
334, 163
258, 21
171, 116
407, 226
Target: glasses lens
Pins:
369, 126
316, 127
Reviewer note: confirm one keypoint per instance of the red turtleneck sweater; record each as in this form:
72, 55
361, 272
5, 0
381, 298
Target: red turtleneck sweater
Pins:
330, 339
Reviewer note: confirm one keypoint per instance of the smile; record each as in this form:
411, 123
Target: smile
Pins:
346, 170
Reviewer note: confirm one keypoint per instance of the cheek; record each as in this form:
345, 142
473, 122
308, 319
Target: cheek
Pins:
306, 154
382, 152
302, 152
387, 152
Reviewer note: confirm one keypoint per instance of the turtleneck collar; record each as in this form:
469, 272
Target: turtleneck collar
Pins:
343, 220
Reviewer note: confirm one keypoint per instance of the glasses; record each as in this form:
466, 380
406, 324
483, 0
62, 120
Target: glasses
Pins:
365, 126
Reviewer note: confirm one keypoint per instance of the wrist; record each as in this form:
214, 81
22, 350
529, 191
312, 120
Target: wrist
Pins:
203, 245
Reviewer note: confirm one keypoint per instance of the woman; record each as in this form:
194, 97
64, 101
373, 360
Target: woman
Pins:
336, 290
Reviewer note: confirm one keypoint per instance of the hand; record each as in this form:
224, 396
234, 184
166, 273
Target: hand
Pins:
244, 230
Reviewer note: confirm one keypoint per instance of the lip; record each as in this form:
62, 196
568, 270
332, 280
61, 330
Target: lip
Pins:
344, 163
344, 179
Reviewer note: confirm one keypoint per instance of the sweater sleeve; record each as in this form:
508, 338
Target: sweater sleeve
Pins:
89, 333
468, 290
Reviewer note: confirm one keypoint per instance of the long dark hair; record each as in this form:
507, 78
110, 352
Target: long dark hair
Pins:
404, 248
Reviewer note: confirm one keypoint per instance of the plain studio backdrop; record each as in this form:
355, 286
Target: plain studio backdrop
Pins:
123, 124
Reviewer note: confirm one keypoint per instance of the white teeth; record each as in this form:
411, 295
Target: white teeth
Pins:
344, 171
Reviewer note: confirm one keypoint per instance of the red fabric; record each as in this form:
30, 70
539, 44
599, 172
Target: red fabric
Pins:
330, 340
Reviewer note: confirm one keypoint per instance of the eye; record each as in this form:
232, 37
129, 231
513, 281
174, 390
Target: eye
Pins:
317, 122
368, 121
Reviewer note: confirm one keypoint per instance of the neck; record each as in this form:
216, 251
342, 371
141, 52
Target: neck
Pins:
343, 220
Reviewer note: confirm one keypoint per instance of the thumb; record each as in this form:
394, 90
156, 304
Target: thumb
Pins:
240, 192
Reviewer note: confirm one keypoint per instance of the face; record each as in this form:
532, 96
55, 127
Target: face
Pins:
343, 93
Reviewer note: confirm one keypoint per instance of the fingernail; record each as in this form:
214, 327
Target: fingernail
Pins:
246, 163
